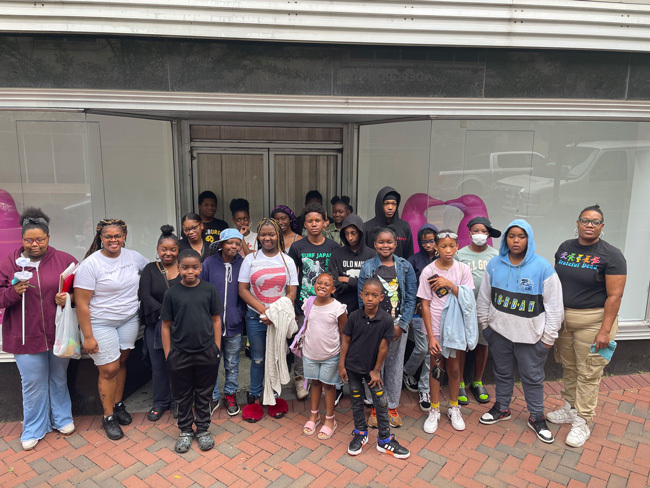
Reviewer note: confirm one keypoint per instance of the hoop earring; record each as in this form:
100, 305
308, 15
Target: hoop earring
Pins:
602, 234
157, 257
575, 233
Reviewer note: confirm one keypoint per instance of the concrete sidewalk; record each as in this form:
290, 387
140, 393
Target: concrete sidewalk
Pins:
276, 452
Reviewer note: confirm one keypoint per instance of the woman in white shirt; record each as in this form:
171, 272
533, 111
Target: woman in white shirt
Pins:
106, 292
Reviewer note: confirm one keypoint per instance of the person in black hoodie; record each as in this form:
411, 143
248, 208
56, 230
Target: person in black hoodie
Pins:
346, 261
387, 215
420, 354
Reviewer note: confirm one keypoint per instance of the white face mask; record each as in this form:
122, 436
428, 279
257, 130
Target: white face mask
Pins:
479, 239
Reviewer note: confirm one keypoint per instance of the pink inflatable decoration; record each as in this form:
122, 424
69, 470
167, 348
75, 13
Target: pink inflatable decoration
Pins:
10, 230
415, 210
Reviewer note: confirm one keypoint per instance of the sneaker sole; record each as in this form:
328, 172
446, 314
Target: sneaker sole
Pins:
425, 409
395, 426
410, 388
356, 453
546, 441
491, 422
576, 444
232, 414
397, 456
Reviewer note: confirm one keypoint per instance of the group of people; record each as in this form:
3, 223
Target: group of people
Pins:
356, 290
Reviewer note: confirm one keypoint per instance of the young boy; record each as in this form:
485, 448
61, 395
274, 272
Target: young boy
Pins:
520, 309
364, 347
191, 337
241, 217
222, 270
420, 354
312, 257
476, 256
207, 208
387, 214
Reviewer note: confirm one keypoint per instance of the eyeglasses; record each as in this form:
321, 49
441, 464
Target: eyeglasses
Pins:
116, 237
40, 240
594, 222
191, 229
430, 241
451, 235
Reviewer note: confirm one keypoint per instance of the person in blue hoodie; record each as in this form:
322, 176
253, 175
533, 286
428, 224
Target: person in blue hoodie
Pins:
222, 270
420, 354
520, 310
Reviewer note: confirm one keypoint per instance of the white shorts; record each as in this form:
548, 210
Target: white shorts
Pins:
113, 338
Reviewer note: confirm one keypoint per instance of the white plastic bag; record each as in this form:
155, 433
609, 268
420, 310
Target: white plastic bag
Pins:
66, 339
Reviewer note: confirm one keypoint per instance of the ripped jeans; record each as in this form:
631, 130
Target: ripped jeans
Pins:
379, 400
256, 331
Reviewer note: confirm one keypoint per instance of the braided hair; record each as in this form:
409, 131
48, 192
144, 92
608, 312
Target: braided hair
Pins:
96, 245
276, 226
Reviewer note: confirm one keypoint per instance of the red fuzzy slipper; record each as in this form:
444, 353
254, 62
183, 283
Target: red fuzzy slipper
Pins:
253, 412
278, 410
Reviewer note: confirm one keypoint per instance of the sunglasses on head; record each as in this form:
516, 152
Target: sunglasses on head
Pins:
451, 235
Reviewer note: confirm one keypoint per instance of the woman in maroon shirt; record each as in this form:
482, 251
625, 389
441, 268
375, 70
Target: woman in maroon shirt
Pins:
46, 401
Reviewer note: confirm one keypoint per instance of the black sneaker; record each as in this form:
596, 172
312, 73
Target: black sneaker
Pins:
339, 395
358, 441
112, 428
250, 399
494, 416
541, 429
123, 417
214, 404
231, 404
393, 448
410, 383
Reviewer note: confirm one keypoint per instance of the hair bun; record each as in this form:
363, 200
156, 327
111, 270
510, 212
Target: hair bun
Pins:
345, 199
167, 230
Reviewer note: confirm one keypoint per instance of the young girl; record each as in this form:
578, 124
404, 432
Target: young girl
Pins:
400, 286
241, 217
437, 281
265, 276
289, 225
325, 320
195, 237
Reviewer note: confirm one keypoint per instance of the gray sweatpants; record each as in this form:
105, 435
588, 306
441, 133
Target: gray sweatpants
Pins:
529, 359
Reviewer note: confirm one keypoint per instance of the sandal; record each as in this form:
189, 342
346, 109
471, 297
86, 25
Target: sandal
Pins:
206, 442
325, 432
310, 425
155, 414
462, 395
480, 393
184, 442
253, 412
278, 410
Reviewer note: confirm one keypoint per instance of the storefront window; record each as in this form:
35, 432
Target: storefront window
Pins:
541, 171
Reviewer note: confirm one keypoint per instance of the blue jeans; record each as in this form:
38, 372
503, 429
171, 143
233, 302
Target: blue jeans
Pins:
256, 331
46, 401
230, 349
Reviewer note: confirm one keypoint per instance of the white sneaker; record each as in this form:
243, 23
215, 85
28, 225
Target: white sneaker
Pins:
30, 444
67, 429
431, 423
579, 434
301, 391
565, 415
456, 417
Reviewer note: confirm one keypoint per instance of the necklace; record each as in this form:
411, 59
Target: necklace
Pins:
443, 268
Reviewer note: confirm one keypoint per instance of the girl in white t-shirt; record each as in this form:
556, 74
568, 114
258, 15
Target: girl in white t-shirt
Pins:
437, 281
325, 320
266, 275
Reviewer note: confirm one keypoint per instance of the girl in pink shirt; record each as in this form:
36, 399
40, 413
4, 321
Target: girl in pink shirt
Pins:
437, 281
325, 321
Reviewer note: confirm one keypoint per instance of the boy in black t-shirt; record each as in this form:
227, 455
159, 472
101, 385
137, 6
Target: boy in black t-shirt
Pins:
363, 350
191, 337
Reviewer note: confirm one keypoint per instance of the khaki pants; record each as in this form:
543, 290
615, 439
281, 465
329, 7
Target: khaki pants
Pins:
582, 368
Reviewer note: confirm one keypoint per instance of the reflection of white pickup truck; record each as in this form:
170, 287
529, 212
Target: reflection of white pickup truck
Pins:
481, 171
603, 173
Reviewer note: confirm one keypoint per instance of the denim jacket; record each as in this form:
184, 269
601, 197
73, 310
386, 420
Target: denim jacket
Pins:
408, 286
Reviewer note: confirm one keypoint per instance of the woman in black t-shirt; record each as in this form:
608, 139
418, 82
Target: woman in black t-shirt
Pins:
156, 278
593, 275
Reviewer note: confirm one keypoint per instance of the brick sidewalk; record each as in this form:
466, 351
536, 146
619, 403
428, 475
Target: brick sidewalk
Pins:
275, 451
